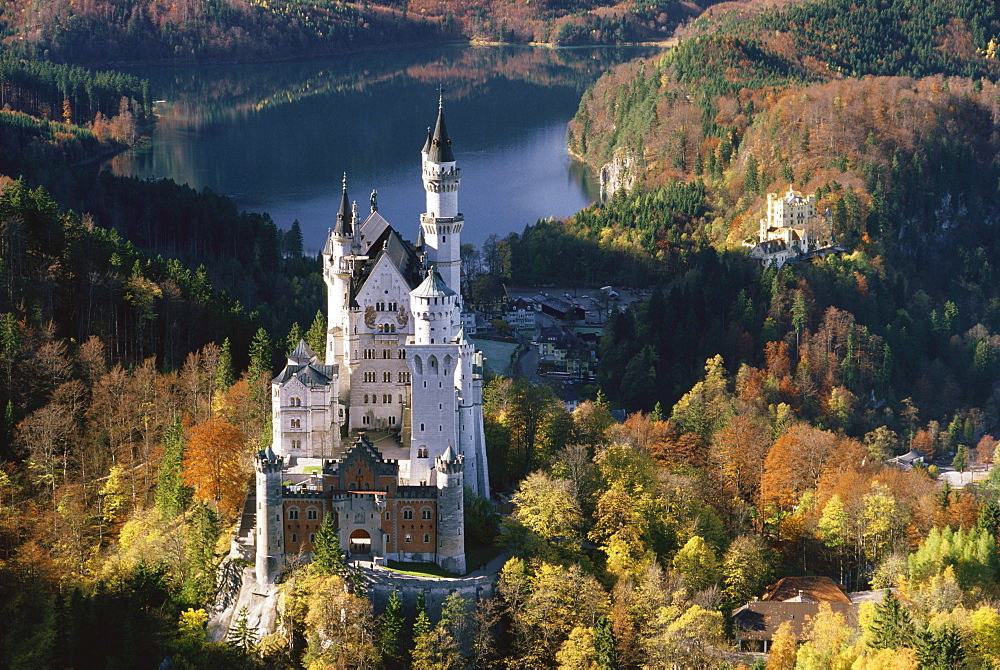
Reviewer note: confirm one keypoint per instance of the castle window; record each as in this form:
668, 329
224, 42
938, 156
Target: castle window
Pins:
407, 538
427, 537
425, 514
421, 426
421, 452
311, 514
312, 537
386, 353
366, 398
293, 515
387, 376
392, 420
400, 398
294, 402
295, 537
388, 516
407, 515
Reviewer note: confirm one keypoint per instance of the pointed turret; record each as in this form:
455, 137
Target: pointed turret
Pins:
345, 217
427, 143
441, 222
440, 150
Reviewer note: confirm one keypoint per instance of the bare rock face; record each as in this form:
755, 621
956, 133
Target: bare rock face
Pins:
619, 174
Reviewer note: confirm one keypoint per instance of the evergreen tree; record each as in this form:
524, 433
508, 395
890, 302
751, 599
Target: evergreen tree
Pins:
657, 413
940, 648
891, 625
961, 460
328, 559
989, 516
421, 622
222, 376
293, 338
202, 536
292, 241
604, 645
172, 497
242, 636
751, 178
391, 631
316, 335
261, 355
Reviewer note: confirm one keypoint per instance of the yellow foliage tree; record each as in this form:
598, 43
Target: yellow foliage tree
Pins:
783, 646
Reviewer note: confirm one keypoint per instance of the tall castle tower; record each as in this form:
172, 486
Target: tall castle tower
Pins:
451, 511
441, 223
433, 358
338, 264
269, 542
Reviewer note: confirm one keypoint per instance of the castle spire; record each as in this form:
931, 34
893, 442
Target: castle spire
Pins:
440, 149
345, 219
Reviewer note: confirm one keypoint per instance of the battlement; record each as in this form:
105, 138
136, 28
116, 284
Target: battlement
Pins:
267, 463
450, 467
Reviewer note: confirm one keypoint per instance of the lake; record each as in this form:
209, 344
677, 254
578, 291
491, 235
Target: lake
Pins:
278, 137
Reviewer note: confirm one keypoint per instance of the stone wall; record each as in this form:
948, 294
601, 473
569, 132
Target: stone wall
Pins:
381, 584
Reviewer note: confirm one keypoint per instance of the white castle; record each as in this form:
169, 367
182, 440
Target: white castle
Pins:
400, 388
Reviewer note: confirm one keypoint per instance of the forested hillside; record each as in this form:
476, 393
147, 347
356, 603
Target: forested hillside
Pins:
101, 31
770, 400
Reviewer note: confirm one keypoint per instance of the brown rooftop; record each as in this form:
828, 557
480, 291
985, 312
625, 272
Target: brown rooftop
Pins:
759, 620
814, 589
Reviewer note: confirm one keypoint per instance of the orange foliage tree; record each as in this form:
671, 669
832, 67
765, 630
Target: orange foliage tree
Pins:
794, 464
215, 464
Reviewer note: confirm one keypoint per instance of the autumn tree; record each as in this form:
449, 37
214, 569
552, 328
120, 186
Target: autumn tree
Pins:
739, 451
794, 464
546, 522
698, 564
216, 465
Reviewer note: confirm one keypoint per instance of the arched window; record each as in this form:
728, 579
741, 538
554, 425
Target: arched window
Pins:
425, 514
311, 514
293, 514
407, 514
295, 537
427, 537
407, 538
312, 537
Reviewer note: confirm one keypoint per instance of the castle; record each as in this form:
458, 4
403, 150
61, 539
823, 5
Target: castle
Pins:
790, 229
386, 431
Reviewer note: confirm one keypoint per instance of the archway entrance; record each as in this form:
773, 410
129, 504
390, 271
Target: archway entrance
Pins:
361, 542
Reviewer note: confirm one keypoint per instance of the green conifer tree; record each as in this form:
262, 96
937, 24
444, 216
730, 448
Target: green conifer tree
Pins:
891, 625
222, 376
242, 636
328, 559
172, 497
604, 645
316, 335
202, 536
293, 337
391, 631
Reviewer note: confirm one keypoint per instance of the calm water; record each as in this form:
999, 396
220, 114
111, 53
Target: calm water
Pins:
278, 137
